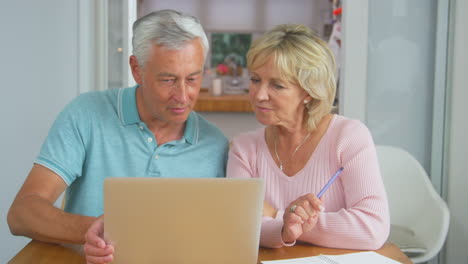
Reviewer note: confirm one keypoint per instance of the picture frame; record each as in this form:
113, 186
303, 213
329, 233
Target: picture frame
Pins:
231, 46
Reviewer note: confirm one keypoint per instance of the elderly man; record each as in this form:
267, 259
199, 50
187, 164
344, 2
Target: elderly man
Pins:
148, 131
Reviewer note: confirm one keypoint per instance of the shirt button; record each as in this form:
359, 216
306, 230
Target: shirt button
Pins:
141, 127
150, 140
156, 157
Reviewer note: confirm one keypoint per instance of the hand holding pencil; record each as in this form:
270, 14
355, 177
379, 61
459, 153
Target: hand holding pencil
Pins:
302, 214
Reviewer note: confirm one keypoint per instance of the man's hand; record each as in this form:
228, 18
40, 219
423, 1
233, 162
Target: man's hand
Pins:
300, 217
96, 249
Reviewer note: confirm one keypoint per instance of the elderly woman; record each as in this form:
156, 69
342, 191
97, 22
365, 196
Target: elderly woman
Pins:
302, 145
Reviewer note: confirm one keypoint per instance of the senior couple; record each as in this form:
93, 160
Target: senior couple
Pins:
150, 130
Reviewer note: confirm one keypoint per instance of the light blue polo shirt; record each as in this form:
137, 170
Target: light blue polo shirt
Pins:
100, 134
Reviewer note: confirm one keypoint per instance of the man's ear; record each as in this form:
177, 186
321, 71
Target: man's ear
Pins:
137, 71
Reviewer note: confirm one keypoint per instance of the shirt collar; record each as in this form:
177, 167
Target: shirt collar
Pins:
192, 129
128, 113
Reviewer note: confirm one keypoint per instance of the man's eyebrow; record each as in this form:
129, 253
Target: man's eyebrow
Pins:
195, 73
168, 74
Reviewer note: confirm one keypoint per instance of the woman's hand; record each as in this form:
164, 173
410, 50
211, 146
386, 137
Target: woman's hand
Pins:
269, 210
300, 217
97, 251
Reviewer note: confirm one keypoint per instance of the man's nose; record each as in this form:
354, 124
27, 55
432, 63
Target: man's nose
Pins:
180, 92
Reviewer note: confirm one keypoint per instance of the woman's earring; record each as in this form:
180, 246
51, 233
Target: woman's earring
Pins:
305, 101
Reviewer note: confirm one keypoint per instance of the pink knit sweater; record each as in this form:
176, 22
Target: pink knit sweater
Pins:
356, 212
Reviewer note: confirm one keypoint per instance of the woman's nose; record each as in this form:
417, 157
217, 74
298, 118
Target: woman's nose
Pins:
261, 92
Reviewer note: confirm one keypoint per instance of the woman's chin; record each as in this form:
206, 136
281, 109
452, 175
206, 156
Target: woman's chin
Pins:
264, 121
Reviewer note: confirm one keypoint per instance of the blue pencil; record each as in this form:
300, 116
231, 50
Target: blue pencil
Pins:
337, 173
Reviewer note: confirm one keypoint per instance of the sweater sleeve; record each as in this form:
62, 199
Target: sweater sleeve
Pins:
364, 223
270, 235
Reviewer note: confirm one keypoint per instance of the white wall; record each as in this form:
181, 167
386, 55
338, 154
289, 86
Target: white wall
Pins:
38, 49
457, 242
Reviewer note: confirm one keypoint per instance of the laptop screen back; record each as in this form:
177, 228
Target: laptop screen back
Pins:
174, 220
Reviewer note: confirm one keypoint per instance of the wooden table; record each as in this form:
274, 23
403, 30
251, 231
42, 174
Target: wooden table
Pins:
223, 103
44, 253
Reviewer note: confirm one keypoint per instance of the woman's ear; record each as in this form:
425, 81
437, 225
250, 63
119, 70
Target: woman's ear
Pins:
137, 71
307, 99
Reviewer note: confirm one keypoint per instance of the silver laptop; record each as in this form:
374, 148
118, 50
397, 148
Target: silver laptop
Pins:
183, 220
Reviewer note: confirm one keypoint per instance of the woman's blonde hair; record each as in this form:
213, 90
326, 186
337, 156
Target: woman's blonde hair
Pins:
302, 58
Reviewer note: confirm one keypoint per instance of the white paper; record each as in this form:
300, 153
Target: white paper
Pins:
368, 257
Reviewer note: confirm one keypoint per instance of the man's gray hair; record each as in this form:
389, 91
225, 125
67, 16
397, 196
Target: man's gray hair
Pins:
168, 28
